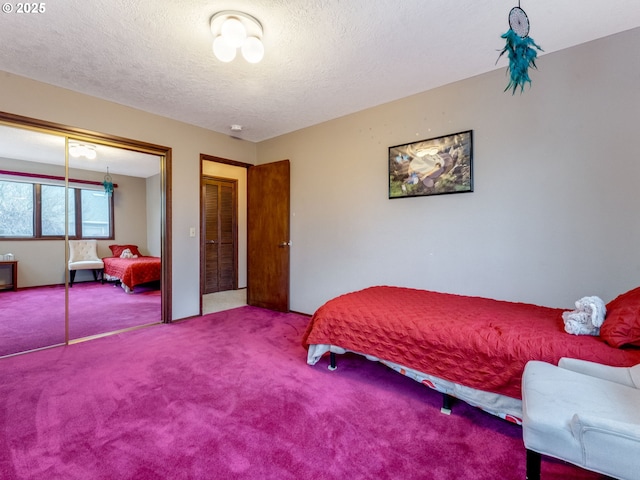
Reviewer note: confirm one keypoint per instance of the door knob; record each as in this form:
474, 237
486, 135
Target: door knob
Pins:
284, 244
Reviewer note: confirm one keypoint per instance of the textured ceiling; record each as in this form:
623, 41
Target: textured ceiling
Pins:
324, 58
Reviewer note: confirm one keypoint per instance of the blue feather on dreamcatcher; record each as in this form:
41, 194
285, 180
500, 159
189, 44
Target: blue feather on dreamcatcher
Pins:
521, 49
108, 184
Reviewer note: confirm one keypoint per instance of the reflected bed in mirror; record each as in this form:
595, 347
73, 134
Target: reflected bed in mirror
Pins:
129, 268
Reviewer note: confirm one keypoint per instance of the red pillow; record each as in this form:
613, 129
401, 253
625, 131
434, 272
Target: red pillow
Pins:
622, 323
117, 250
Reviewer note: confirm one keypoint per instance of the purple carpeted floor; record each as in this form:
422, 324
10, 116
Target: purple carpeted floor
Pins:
34, 317
229, 396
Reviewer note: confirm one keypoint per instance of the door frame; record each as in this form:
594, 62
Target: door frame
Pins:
225, 161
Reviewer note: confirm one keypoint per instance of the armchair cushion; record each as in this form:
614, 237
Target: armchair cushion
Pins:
84, 254
87, 265
588, 421
629, 376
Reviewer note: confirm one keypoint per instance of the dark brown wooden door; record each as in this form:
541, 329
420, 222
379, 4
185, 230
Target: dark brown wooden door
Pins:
220, 235
268, 236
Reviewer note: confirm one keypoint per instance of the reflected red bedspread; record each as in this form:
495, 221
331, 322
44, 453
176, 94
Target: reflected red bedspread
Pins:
133, 271
477, 342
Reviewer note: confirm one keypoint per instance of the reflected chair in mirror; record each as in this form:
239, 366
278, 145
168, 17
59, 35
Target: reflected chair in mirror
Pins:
584, 413
83, 255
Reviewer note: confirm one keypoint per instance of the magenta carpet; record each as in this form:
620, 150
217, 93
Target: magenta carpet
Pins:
229, 396
34, 317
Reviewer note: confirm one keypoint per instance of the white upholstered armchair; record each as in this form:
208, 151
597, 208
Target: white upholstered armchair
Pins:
584, 413
83, 255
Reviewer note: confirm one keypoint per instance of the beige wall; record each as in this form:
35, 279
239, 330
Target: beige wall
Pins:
552, 218
554, 213
22, 96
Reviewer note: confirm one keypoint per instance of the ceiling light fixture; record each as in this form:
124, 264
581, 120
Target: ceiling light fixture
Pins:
234, 30
78, 150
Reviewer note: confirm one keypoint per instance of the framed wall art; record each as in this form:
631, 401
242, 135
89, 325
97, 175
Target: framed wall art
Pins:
432, 167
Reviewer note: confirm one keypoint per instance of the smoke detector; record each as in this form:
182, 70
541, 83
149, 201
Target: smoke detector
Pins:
236, 128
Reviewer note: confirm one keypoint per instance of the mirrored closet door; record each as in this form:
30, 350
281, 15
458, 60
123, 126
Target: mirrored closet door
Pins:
114, 239
82, 233
32, 230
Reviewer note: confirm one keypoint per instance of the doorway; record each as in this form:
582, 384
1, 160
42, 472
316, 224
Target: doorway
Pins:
220, 235
221, 169
263, 269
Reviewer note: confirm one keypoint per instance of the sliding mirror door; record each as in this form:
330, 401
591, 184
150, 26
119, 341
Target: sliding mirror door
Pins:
32, 239
117, 211
53, 204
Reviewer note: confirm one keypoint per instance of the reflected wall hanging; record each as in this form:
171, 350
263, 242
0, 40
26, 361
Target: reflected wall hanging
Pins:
521, 49
108, 184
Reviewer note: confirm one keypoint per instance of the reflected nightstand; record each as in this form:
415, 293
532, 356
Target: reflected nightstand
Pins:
12, 267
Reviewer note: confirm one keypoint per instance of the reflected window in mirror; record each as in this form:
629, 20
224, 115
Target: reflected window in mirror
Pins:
34, 210
16, 209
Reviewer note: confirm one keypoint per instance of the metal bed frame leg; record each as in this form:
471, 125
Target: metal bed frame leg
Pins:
447, 401
533, 465
332, 360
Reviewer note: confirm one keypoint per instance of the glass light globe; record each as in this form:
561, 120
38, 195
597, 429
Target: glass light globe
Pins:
74, 150
234, 32
253, 50
90, 153
222, 50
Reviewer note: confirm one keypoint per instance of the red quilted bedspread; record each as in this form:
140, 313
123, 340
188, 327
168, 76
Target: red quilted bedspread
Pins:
133, 271
476, 342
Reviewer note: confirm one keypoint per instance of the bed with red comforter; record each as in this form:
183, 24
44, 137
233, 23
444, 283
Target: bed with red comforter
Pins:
470, 348
132, 271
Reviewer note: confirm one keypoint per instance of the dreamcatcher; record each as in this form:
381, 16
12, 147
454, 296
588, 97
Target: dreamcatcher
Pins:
108, 184
521, 49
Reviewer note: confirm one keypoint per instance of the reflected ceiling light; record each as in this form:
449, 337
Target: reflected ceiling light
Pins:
234, 30
85, 150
